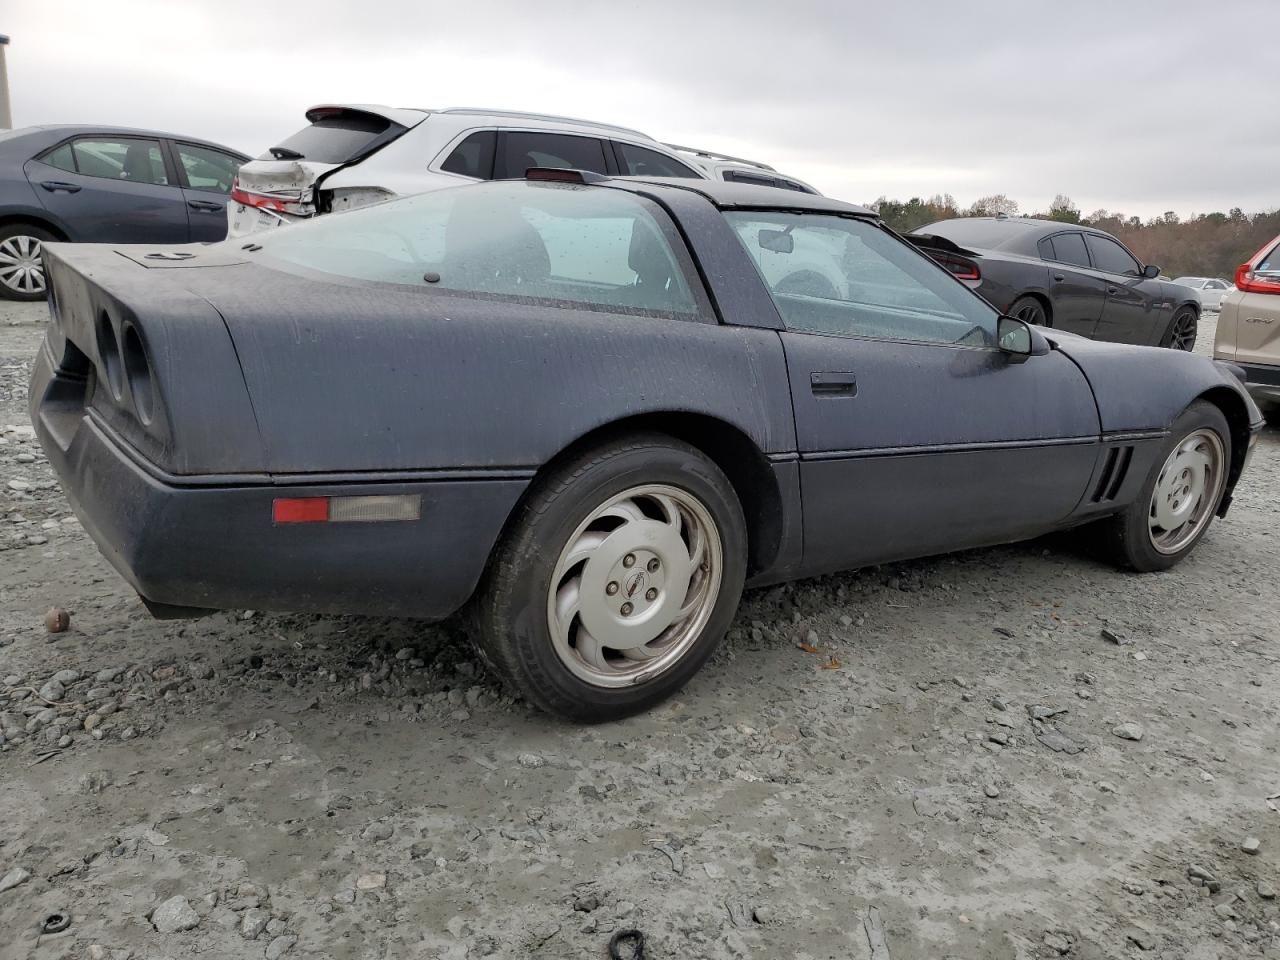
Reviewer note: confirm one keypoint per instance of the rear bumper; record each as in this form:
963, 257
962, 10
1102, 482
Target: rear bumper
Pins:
210, 543
1262, 380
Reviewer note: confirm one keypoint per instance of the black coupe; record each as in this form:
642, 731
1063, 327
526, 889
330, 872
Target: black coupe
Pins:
1066, 276
590, 410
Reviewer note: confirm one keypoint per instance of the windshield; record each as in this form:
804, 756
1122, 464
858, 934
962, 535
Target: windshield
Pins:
508, 239
846, 276
1190, 281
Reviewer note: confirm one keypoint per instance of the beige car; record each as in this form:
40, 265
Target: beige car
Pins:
1249, 325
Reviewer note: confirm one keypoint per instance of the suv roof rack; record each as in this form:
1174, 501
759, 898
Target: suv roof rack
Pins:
712, 155
555, 118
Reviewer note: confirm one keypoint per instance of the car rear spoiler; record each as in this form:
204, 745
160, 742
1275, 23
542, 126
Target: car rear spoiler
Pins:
929, 241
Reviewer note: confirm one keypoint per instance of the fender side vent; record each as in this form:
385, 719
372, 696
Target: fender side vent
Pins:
1113, 473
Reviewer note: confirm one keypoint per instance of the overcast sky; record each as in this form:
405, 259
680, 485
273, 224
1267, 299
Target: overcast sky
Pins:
1130, 105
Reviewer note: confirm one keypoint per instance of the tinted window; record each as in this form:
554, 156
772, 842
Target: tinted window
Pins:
61, 158
334, 139
847, 277
641, 162
1215, 285
473, 157
521, 151
1110, 257
139, 161
755, 179
531, 241
1067, 248
207, 169
786, 184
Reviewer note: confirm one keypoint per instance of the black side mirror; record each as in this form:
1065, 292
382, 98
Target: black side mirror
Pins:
777, 241
1150, 271
1020, 340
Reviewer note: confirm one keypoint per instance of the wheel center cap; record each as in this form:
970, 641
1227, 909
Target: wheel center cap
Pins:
634, 584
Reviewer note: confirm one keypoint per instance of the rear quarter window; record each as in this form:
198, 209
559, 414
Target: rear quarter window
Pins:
554, 243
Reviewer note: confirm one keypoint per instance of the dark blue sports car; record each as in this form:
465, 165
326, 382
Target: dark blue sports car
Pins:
104, 184
590, 410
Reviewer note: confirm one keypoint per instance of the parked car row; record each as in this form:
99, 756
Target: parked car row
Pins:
1211, 290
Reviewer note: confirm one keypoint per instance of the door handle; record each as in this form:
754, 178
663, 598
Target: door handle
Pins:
1059, 276
833, 384
53, 186
1113, 289
206, 206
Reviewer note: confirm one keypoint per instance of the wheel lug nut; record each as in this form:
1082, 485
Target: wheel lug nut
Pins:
629, 560
653, 565
626, 609
651, 594
612, 588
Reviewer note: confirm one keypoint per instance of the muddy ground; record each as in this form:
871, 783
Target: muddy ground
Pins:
258, 785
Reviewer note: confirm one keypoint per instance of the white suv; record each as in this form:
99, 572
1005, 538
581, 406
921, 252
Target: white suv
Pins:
351, 155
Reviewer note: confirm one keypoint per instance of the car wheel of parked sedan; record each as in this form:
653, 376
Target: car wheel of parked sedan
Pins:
21, 270
1179, 496
617, 579
1029, 310
1182, 330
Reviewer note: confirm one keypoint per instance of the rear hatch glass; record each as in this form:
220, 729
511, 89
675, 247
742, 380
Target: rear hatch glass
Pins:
335, 138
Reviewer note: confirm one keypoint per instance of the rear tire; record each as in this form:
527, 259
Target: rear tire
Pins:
1182, 331
21, 269
616, 580
1179, 497
1029, 310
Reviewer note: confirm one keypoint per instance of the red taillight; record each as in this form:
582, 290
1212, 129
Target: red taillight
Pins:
300, 510
1251, 282
289, 203
959, 267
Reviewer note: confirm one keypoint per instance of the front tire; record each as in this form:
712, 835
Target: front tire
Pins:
1179, 497
616, 581
1181, 334
21, 269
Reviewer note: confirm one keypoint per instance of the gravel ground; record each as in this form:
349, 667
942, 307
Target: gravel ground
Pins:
967, 767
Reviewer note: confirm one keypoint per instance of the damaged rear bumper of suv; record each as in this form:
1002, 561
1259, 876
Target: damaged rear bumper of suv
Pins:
199, 543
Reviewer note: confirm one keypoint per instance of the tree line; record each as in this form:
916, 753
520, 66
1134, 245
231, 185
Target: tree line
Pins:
1204, 245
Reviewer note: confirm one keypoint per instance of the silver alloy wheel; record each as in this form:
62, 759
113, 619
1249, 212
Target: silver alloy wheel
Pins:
20, 268
635, 585
1187, 491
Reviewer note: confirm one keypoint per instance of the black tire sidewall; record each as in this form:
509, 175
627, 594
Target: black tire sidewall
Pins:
525, 655
1030, 302
25, 230
1134, 522
1173, 323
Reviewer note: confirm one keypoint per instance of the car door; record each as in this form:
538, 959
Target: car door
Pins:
916, 434
206, 175
1076, 291
1212, 293
1135, 309
112, 189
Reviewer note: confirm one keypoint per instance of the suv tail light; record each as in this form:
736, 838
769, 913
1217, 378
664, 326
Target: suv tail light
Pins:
1252, 280
959, 267
282, 202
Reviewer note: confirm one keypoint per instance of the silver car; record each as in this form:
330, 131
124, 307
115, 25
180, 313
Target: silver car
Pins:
352, 155
1211, 290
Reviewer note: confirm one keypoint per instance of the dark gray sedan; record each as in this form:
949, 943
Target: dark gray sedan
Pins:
589, 411
104, 184
1064, 275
